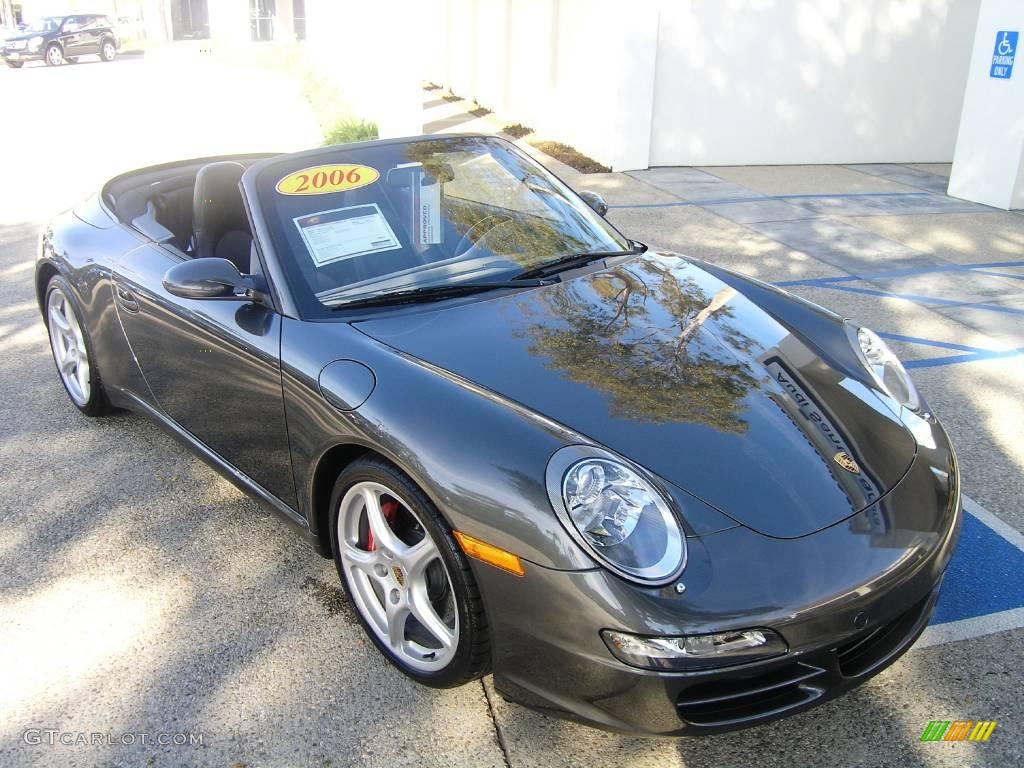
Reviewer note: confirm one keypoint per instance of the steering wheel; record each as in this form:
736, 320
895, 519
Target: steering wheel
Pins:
468, 241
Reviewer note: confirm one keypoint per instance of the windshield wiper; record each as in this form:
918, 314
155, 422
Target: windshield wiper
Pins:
575, 260
434, 292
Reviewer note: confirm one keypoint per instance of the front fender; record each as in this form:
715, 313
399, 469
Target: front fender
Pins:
480, 460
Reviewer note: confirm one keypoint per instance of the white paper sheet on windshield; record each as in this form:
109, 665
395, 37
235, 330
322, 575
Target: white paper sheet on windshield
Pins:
345, 233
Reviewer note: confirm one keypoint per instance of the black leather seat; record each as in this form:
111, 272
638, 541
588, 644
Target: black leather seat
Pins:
219, 223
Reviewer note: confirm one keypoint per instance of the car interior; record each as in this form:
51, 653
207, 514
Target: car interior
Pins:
194, 209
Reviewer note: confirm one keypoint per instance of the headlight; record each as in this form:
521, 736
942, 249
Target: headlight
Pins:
885, 368
617, 515
18, 45
35, 42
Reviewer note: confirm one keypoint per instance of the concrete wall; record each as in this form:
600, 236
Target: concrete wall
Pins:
988, 166
581, 71
716, 82
836, 81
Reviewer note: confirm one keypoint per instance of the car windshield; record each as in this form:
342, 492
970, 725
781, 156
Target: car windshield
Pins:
48, 24
348, 223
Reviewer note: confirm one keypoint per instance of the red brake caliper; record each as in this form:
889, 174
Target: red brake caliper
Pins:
390, 509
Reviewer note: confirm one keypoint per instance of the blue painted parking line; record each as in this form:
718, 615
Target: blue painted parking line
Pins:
928, 299
983, 592
762, 198
983, 577
972, 354
823, 282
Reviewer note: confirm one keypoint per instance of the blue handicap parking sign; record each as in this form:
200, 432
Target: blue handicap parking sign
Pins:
1002, 57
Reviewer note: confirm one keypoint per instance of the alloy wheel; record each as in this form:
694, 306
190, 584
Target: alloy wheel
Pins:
108, 51
397, 578
54, 56
68, 343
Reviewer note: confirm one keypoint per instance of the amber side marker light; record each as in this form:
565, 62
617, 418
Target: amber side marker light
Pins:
490, 554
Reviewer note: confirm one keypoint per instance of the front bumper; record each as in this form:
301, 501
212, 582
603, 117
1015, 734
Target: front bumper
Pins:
23, 55
849, 600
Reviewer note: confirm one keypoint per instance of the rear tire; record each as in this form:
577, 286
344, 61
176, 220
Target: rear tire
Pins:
71, 59
108, 50
72, 350
54, 56
15, 64
412, 570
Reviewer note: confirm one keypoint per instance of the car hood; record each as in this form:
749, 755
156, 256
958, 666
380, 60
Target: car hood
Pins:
22, 36
683, 373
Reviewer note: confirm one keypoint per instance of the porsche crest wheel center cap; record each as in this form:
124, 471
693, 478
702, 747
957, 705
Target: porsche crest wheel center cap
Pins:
399, 575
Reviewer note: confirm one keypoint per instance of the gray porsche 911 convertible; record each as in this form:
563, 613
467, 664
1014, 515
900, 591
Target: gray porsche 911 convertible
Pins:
647, 492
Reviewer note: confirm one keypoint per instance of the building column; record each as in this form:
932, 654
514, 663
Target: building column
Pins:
988, 165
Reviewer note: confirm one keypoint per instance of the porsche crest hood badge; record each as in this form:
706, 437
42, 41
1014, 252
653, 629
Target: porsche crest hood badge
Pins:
844, 460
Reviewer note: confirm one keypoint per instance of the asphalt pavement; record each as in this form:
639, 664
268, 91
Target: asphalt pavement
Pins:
140, 593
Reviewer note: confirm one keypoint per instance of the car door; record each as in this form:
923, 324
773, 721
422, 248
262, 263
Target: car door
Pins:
89, 34
213, 366
72, 36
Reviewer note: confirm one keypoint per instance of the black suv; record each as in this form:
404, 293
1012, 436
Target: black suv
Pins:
57, 39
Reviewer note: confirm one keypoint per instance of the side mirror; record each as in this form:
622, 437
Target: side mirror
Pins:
213, 279
595, 201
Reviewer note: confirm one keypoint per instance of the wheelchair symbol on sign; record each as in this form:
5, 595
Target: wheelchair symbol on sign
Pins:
1005, 47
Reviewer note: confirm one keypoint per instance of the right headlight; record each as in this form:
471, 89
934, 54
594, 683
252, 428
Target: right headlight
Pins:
618, 516
885, 368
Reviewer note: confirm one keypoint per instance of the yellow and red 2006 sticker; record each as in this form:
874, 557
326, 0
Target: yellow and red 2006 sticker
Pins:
323, 179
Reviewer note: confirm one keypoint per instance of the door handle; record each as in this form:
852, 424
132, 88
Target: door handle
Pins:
126, 298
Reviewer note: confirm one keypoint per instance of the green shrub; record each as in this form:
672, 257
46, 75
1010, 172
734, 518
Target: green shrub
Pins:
348, 131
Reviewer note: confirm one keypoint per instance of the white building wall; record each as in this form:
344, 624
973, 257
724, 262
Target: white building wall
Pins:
828, 81
716, 82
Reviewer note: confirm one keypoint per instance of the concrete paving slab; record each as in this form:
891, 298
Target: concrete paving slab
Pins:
959, 238
804, 179
961, 286
900, 204
759, 210
698, 232
843, 245
707, 191
1008, 328
900, 317
902, 174
939, 169
673, 175
621, 189
693, 184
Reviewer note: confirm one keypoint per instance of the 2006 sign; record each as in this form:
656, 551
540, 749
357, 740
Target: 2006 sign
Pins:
323, 179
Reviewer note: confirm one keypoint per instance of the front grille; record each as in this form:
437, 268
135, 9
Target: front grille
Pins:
865, 653
740, 700
735, 701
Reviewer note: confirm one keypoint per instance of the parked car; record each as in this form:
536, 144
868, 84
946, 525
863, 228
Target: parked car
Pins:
648, 492
60, 39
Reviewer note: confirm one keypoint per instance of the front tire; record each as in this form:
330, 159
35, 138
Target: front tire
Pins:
54, 56
409, 581
108, 50
72, 350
